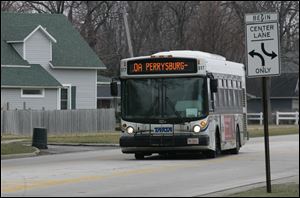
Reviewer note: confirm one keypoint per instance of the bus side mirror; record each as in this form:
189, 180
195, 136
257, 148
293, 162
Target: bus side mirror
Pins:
214, 85
113, 89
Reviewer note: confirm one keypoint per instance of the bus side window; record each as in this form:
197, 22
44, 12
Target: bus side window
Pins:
225, 98
221, 99
239, 97
218, 94
213, 90
229, 98
233, 94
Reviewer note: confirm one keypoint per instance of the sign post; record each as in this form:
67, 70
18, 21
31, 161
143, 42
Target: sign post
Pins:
263, 60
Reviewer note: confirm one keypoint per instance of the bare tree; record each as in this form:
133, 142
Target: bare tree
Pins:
95, 14
179, 18
7, 5
214, 26
288, 16
14, 6
53, 7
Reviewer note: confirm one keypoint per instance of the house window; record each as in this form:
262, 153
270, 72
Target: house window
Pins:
68, 97
32, 93
64, 96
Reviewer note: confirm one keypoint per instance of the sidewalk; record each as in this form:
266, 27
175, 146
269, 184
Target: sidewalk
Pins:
11, 141
59, 148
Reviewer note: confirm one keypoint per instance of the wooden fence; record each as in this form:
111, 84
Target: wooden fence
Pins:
22, 122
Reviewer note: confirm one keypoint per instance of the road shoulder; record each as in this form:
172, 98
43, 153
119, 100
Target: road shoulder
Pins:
231, 191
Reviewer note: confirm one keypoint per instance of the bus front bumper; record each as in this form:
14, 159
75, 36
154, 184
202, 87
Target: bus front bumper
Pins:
146, 143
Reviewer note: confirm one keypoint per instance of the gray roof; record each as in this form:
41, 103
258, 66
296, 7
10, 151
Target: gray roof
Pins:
29, 76
71, 50
9, 56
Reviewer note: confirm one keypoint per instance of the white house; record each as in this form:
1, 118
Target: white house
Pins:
46, 64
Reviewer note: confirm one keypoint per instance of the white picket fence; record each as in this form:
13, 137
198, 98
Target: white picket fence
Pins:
256, 116
292, 116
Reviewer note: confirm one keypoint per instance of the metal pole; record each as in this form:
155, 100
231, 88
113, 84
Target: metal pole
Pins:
127, 33
266, 131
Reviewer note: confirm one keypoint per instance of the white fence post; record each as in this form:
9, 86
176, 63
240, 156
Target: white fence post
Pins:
256, 116
277, 118
297, 118
260, 118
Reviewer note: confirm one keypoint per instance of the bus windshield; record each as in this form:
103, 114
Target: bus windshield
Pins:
173, 100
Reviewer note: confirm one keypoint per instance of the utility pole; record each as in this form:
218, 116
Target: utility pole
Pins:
127, 32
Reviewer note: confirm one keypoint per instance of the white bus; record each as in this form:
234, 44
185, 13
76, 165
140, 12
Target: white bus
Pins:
182, 102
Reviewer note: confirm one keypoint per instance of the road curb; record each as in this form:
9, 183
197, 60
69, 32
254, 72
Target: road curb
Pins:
83, 144
23, 155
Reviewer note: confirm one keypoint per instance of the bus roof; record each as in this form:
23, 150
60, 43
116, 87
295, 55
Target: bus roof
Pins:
183, 54
191, 54
215, 63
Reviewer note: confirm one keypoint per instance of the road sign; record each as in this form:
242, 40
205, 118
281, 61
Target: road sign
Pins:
263, 51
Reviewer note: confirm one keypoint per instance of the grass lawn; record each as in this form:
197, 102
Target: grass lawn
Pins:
15, 148
278, 190
279, 130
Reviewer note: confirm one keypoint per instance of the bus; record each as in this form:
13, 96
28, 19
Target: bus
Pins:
182, 102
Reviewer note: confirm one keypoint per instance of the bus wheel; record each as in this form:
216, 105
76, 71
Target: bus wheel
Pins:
217, 151
236, 150
139, 156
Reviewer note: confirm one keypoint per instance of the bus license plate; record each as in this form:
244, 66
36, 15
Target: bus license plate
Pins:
193, 141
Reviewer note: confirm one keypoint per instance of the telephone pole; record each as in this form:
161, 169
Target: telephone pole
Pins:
127, 32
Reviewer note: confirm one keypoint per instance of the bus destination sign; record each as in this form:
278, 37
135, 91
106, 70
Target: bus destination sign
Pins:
162, 66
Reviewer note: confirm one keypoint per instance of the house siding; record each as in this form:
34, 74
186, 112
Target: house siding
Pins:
85, 82
13, 97
38, 49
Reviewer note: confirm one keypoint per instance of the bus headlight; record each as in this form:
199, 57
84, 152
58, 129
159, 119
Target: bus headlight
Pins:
129, 130
203, 124
197, 129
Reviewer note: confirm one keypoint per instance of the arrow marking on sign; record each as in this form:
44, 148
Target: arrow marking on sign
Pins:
273, 55
253, 53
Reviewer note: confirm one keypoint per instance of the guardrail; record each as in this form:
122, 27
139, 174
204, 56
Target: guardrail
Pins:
294, 116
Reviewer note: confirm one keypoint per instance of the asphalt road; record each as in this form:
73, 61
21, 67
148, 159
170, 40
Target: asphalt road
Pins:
110, 173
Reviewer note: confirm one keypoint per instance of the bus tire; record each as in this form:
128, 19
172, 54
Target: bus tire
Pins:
217, 151
236, 150
139, 156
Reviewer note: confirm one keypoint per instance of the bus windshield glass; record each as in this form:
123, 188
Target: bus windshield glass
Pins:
173, 100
